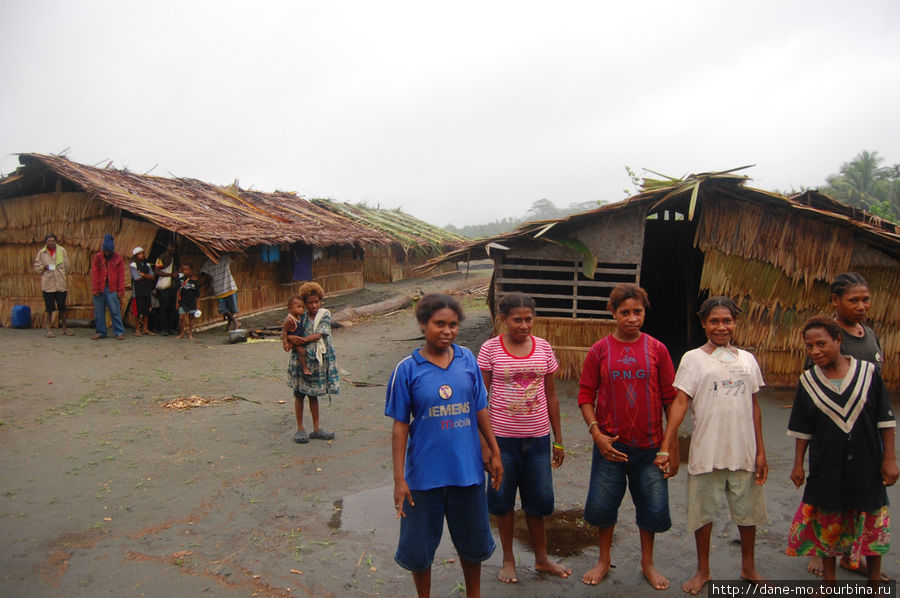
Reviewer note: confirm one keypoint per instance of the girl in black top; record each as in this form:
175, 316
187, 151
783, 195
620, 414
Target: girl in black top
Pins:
843, 415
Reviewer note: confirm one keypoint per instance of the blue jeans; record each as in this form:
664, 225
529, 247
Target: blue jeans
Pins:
649, 490
526, 467
465, 508
108, 300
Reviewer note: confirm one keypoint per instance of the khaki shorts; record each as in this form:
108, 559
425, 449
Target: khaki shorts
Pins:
746, 500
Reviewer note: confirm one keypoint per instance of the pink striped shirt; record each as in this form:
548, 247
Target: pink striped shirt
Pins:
517, 400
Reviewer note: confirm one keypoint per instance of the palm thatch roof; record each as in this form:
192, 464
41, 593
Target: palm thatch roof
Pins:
218, 219
416, 237
691, 191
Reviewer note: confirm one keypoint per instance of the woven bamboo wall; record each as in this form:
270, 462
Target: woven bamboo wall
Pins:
570, 338
377, 264
337, 260
263, 286
79, 223
339, 270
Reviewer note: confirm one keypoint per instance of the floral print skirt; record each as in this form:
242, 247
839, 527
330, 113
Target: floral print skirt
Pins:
815, 531
324, 379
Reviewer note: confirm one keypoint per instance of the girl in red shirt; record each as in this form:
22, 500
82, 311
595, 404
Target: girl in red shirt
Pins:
626, 383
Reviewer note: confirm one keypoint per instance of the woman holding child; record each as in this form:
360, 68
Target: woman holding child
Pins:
312, 371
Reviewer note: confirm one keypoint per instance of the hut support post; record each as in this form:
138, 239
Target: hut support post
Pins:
575, 290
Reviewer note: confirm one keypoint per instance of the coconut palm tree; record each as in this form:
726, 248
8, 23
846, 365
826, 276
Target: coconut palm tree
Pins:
857, 181
864, 183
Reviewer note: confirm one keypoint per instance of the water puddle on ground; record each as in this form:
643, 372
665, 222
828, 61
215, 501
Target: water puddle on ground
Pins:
368, 512
372, 512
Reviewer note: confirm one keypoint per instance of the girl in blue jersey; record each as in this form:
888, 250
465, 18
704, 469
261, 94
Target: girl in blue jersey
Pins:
438, 402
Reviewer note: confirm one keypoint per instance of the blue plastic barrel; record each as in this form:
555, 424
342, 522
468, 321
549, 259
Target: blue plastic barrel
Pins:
21, 316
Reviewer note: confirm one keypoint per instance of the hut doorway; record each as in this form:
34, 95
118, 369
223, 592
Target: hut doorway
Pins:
670, 272
160, 241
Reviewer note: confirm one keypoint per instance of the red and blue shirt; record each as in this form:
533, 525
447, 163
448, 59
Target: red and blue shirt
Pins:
629, 384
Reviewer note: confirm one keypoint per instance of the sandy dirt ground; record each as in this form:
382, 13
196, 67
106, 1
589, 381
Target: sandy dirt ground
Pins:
104, 491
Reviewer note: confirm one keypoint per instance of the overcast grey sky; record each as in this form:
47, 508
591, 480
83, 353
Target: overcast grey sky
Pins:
457, 112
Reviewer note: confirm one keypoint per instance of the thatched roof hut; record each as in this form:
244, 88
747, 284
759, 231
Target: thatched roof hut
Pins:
686, 239
81, 203
413, 241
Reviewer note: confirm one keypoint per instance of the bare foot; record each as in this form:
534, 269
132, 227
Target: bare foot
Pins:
655, 578
180, 335
696, 583
150, 333
307, 372
860, 568
507, 573
190, 336
552, 568
596, 574
752, 575
815, 566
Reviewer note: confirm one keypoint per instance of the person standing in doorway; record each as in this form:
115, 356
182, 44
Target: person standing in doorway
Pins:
52, 263
108, 288
224, 288
166, 269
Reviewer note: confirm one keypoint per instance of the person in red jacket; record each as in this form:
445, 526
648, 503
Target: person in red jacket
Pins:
108, 287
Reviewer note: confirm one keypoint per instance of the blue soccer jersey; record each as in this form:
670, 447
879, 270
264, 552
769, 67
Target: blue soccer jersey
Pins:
441, 407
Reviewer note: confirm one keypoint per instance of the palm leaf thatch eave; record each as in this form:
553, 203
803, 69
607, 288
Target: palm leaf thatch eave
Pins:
217, 219
416, 237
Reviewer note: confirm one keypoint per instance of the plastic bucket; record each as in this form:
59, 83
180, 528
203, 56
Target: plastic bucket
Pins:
21, 316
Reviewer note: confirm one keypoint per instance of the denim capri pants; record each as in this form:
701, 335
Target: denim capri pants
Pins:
526, 468
465, 508
649, 490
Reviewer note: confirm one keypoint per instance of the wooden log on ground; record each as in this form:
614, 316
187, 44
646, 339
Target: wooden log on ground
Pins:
382, 307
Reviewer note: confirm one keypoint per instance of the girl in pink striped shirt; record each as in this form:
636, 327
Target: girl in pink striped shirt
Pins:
518, 373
